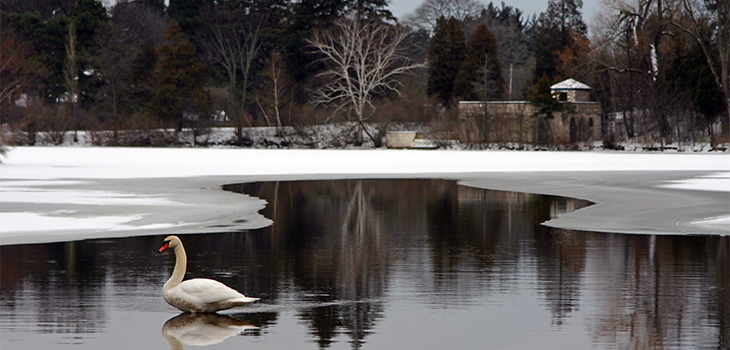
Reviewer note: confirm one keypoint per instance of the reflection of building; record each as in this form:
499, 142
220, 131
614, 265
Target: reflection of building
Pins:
514, 121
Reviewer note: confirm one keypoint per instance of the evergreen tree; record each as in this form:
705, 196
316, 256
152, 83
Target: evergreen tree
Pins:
371, 9
307, 16
179, 78
505, 15
89, 19
446, 53
541, 97
187, 14
688, 74
140, 26
480, 76
514, 45
158, 6
556, 31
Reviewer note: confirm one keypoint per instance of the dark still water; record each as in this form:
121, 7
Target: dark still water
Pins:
380, 264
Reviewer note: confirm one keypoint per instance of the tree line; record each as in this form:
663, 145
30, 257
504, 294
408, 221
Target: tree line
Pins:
659, 68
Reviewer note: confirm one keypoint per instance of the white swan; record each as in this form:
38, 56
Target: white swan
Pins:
198, 294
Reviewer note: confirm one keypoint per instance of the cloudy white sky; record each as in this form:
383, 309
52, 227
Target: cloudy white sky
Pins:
529, 7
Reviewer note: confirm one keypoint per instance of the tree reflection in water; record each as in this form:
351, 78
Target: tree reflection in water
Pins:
347, 235
345, 257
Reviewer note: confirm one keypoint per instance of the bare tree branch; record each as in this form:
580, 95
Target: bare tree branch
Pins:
722, 31
362, 59
18, 69
234, 44
425, 15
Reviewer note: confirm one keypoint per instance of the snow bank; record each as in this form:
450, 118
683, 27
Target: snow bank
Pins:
38, 163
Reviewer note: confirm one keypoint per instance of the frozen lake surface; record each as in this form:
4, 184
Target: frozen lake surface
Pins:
375, 264
69, 193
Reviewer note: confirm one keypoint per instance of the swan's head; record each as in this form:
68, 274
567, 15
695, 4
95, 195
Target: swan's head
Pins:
170, 242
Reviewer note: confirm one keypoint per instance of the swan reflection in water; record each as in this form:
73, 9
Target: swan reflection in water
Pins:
201, 329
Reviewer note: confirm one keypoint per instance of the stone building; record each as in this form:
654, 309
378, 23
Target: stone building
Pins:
516, 121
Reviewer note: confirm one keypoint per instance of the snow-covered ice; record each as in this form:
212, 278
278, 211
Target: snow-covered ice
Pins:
58, 221
38, 163
38, 183
712, 182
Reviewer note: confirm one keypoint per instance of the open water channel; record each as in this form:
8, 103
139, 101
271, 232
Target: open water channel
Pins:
380, 264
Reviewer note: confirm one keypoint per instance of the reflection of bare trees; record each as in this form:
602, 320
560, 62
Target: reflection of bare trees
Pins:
721, 304
339, 250
474, 232
346, 237
657, 292
561, 258
335, 233
59, 300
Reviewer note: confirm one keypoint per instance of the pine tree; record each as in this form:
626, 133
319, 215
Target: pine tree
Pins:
556, 31
541, 97
446, 53
88, 20
307, 16
179, 77
688, 73
187, 14
480, 76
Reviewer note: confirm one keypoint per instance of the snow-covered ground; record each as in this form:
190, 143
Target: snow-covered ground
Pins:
48, 191
38, 163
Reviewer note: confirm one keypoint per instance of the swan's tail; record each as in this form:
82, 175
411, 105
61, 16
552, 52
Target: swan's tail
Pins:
244, 300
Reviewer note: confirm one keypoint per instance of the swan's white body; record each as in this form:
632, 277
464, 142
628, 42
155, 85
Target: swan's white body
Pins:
198, 294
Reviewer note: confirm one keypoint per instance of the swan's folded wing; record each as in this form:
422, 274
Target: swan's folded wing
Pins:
209, 291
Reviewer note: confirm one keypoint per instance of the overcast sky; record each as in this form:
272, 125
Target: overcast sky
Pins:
529, 7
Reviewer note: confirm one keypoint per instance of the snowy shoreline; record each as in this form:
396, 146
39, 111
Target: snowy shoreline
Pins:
67, 193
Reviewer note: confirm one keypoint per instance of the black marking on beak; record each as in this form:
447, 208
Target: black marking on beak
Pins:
165, 245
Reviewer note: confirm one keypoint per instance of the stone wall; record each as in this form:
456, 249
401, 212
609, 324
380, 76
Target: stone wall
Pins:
572, 95
514, 122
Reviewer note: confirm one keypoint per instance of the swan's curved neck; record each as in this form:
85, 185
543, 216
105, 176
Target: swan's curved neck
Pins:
181, 265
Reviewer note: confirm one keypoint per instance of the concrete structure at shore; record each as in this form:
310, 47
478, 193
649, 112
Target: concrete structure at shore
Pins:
517, 121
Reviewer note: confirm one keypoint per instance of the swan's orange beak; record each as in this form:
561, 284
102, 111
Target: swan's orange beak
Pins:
164, 246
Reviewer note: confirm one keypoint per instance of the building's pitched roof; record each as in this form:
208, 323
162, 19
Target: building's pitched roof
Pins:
570, 84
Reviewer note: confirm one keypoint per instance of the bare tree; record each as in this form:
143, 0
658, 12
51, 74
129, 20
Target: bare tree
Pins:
714, 22
71, 76
234, 44
632, 40
134, 30
425, 15
18, 69
362, 59
485, 86
117, 56
638, 46
277, 90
